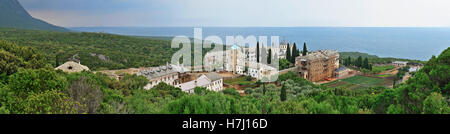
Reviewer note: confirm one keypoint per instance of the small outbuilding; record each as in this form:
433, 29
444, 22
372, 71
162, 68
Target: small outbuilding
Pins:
71, 67
341, 72
399, 63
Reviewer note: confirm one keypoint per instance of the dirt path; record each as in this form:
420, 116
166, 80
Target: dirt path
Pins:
392, 71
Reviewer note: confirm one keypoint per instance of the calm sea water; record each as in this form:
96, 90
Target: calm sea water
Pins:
410, 43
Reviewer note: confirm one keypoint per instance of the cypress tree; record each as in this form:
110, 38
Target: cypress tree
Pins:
264, 89
349, 61
294, 53
269, 57
257, 52
359, 62
305, 50
288, 52
283, 93
366, 63
263, 53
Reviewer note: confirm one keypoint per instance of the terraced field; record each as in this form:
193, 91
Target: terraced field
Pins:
360, 82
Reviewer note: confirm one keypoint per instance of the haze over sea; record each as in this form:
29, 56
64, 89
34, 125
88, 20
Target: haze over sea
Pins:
399, 42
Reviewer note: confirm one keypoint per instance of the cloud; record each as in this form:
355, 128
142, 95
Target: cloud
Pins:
241, 12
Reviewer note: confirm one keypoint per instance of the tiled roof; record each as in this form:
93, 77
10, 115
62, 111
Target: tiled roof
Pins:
71, 66
200, 82
156, 72
342, 68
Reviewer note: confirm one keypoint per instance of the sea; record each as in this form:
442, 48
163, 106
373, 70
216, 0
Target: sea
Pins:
418, 43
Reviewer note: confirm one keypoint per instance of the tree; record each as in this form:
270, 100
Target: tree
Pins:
263, 58
284, 64
269, 57
305, 50
283, 93
129, 82
348, 61
163, 89
264, 89
51, 102
29, 80
435, 104
9, 63
288, 53
294, 53
246, 69
257, 52
258, 83
230, 91
87, 92
394, 109
200, 90
142, 102
359, 62
13, 57
366, 63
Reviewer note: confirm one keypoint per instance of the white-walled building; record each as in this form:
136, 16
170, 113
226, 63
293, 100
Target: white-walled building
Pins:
167, 74
211, 81
237, 58
400, 63
260, 71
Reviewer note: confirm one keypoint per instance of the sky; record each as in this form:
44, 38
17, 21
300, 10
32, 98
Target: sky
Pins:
242, 13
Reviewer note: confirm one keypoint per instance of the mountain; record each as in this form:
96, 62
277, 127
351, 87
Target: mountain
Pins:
13, 15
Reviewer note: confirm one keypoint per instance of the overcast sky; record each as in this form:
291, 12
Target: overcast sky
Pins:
277, 13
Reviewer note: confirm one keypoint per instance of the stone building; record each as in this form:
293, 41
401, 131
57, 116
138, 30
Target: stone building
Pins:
342, 72
282, 49
260, 71
71, 67
317, 66
168, 74
399, 63
211, 81
237, 59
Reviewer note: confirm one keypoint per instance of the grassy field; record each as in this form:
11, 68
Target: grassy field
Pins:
357, 82
364, 81
379, 69
385, 75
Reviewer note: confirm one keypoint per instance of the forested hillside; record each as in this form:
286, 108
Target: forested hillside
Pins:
98, 51
373, 58
35, 88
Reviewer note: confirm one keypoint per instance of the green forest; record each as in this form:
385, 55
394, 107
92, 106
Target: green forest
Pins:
98, 51
30, 85
373, 59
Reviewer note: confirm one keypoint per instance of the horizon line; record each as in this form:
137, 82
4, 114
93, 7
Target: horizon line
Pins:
261, 26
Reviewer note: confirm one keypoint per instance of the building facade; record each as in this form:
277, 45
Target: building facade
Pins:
168, 74
342, 72
210, 81
399, 63
241, 61
317, 66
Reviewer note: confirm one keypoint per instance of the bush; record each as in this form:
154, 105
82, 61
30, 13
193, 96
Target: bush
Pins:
230, 91
28, 80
